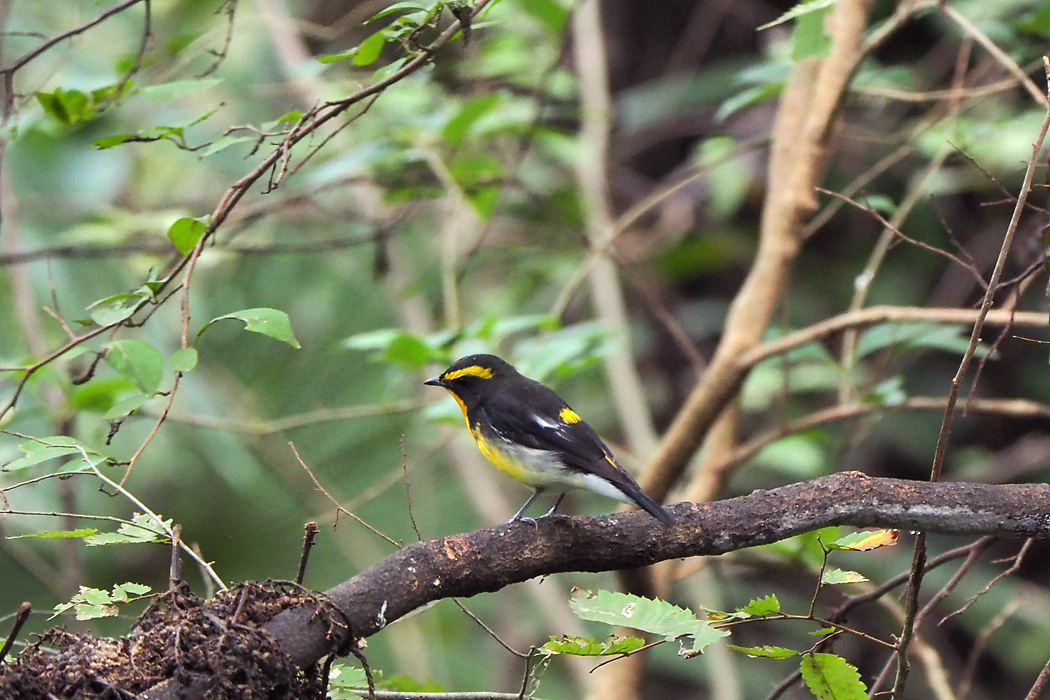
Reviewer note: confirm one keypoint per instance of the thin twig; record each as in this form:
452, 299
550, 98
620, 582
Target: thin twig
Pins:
1013, 569
940, 450
20, 619
309, 534
339, 508
174, 570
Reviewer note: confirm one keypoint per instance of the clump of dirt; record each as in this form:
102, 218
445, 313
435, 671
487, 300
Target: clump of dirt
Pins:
219, 642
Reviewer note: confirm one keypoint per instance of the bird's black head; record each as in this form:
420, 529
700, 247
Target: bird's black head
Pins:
473, 373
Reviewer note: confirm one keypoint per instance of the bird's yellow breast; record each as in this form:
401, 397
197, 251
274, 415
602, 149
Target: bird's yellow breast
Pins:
532, 467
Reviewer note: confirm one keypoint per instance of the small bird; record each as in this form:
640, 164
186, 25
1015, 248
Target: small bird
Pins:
530, 434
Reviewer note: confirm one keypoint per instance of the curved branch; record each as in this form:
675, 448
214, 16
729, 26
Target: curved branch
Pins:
488, 560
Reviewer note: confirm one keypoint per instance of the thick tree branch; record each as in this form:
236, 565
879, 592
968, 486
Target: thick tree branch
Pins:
488, 560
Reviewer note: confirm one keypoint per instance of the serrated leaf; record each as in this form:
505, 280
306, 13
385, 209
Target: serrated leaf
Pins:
654, 616
585, 646
823, 631
798, 10
138, 362
766, 651
142, 529
91, 603
760, 607
343, 677
185, 233
831, 677
184, 359
270, 322
47, 448
866, 541
123, 592
838, 576
57, 534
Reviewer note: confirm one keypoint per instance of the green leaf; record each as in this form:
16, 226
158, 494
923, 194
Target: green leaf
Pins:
263, 320
654, 616
346, 678
222, 143
92, 603
336, 57
953, 339
111, 141
585, 646
384, 72
761, 607
399, 7
53, 534
116, 308
748, 98
125, 591
185, 233
126, 405
138, 362
458, 127
47, 448
403, 683
550, 13
831, 677
66, 106
809, 37
822, 632
765, 651
184, 359
839, 576
368, 50
1037, 22
401, 347
143, 529
798, 10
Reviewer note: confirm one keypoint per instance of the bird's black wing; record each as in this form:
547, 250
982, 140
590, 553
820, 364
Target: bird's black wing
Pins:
532, 418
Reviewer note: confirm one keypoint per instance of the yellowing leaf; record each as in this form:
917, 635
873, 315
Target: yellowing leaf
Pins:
866, 541
836, 576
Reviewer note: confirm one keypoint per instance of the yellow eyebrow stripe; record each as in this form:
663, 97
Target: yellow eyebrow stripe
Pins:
472, 371
569, 416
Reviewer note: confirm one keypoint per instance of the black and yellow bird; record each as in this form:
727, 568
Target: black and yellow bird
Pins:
530, 434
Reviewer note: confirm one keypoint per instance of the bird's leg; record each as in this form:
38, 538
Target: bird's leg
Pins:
557, 503
517, 516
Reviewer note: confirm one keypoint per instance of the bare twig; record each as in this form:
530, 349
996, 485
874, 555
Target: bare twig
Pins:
309, 534
339, 508
20, 619
174, 571
940, 450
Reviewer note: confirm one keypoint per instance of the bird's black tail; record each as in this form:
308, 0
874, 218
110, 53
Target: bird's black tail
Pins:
643, 501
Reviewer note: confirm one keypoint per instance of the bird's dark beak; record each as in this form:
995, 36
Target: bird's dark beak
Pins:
436, 381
